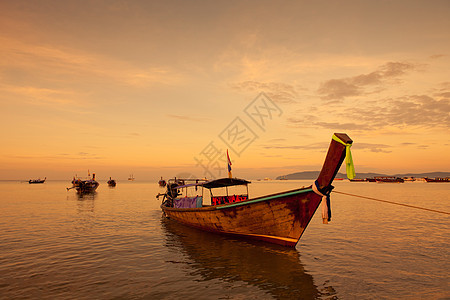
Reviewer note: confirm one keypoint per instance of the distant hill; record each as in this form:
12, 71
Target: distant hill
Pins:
315, 174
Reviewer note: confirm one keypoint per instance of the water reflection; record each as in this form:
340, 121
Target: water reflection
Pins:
86, 195
274, 269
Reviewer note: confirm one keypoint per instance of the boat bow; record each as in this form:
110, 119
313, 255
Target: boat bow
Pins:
337, 151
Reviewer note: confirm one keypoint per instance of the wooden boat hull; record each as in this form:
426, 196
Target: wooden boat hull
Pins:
278, 218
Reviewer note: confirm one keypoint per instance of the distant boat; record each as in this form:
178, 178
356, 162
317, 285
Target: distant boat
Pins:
84, 186
437, 179
111, 182
162, 182
32, 181
279, 218
389, 179
131, 178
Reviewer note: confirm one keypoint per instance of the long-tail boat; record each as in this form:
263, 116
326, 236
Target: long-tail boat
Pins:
84, 186
279, 218
32, 181
111, 182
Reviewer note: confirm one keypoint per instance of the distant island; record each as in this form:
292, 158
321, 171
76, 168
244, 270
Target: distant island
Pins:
315, 174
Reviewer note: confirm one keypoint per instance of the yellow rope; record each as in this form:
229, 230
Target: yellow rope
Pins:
391, 202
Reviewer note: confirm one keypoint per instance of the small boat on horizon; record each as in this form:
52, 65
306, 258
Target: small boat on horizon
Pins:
131, 178
357, 180
111, 182
279, 218
33, 181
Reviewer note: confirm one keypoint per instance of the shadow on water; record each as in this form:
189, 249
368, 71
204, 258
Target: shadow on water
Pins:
274, 269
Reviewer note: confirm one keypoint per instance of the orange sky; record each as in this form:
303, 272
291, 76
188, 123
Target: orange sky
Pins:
150, 88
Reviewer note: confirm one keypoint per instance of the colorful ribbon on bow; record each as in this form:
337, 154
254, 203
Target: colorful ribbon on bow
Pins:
350, 168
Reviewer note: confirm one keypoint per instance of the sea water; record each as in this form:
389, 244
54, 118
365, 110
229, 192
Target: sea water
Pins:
115, 244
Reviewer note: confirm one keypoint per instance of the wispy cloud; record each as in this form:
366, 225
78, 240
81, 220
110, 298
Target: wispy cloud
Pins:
321, 146
59, 156
372, 147
188, 118
52, 64
314, 146
338, 89
277, 91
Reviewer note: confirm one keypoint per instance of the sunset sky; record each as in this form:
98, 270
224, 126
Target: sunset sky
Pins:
153, 88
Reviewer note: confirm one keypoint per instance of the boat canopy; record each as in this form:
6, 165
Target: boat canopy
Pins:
218, 183
223, 182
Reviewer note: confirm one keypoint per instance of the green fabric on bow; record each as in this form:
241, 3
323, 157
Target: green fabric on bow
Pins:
350, 168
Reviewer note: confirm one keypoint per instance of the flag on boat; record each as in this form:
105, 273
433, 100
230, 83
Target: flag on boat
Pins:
229, 165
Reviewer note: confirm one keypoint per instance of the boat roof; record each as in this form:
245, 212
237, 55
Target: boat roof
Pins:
221, 182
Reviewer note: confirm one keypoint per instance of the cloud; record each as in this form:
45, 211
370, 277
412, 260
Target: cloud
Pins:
310, 121
321, 146
437, 56
372, 147
414, 111
41, 96
277, 91
187, 118
65, 156
338, 89
314, 146
418, 146
277, 140
52, 65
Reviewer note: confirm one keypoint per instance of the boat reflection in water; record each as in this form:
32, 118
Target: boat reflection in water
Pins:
274, 269
86, 195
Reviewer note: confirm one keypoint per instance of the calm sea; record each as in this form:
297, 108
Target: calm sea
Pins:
116, 245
